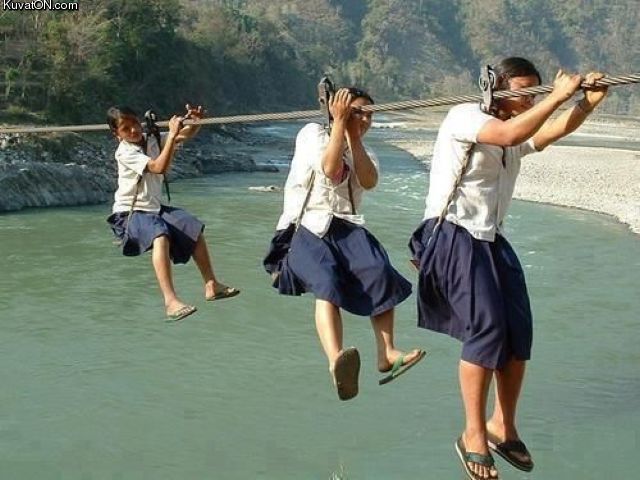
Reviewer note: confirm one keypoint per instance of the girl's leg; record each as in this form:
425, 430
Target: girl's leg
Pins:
203, 261
329, 327
387, 354
212, 287
474, 386
162, 266
508, 386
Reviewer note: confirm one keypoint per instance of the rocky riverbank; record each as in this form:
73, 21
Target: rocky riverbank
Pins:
604, 180
71, 169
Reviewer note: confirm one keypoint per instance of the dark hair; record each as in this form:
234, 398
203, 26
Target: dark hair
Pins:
115, 114
512, 67
360, 93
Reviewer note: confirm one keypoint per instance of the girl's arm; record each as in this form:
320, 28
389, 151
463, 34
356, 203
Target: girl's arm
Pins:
518, 129
190, 131
365, 169
340, 108
572, 118
162, 162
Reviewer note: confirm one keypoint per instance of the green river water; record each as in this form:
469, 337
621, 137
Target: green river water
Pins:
95, 385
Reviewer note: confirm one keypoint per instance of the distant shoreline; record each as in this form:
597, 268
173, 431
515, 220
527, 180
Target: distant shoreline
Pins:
602, 180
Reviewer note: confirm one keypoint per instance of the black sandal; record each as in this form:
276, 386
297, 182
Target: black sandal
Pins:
465, 457
513, 451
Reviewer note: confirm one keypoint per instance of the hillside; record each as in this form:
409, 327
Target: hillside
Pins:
257, 55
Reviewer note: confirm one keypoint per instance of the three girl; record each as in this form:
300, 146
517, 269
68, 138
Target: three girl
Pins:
471, 285
140, 220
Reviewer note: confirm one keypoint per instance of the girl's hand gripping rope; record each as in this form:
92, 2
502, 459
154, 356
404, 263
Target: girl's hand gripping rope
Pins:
194, 114
175, 125
565, 85
592, 95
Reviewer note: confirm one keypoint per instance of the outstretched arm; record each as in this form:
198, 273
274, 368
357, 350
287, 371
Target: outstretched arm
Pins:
515, 131
574, 117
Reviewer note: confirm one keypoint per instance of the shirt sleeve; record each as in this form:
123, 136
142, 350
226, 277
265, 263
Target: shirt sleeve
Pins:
132, 156
310, 144
466, 121
527, 147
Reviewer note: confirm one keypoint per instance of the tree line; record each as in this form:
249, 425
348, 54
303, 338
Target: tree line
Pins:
241, 56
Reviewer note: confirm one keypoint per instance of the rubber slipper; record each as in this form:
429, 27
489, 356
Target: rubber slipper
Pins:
513, 451
181, 313
466, 457
399, 367
345, 373
224, 292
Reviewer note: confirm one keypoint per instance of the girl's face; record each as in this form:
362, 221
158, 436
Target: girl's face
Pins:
129, 129
362, 120
513, 107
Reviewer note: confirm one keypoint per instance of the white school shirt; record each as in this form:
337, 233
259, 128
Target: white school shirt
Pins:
327, 199
483, 197
132, 163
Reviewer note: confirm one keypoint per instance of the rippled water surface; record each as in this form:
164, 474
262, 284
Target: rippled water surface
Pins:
96, 385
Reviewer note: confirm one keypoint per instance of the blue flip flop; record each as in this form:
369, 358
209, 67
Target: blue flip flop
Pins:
399, 367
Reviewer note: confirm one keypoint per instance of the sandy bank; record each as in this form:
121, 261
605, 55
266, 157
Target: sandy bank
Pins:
604, 180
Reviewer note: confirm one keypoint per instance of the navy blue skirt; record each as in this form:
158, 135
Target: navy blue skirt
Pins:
347, 267
474, 291
182, 228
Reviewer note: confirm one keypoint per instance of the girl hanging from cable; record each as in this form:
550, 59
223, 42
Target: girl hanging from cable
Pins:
331, 254
471, 285
140, 220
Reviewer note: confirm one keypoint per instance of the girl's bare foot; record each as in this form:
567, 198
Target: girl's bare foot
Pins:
386, 362
476, 442
174, 306
214, 290
176, 310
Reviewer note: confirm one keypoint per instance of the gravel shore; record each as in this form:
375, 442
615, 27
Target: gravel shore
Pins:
604, 180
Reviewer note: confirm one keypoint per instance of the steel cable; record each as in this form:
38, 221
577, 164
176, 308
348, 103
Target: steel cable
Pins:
309, 114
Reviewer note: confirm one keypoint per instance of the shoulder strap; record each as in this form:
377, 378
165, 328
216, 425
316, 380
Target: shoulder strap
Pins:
465, 165
165, 182
352, 171
353, 205
312, 178
156, 134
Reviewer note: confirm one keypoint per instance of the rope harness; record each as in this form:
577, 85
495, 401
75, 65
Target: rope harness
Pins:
151, 129
309, 114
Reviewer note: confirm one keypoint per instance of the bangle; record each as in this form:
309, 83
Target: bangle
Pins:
584, 109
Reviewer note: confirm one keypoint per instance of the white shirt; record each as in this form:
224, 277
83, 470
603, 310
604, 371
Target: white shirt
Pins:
132, 164
327, 199
483, 197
